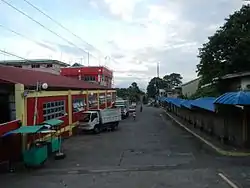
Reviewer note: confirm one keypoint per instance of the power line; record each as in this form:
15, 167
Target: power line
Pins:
62, 26
14, 55
59, 24
37, 22
23, 36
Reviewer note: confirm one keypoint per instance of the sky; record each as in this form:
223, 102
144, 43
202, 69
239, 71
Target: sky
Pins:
136, 34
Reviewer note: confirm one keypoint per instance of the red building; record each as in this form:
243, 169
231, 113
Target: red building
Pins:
64, 99
101, 75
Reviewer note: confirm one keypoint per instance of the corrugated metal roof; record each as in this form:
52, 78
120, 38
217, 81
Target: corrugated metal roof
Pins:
235, 75
206, 103
234, 98
31, 77
33, 61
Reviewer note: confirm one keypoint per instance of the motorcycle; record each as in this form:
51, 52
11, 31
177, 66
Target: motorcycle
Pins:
134, 116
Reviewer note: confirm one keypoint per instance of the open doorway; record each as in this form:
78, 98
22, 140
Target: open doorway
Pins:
4, 108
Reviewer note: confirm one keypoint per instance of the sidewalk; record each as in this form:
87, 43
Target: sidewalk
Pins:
209, 141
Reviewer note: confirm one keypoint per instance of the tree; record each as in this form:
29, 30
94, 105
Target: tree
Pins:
154, 85
133, 92
227, 51
173, 80
122, 92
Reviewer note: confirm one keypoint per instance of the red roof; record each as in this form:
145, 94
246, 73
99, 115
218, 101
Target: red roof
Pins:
31, 77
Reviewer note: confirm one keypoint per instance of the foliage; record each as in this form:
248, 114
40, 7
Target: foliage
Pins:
209, 91
145, 100
133, 92
167, 83
154, 85
227, 51
173, 80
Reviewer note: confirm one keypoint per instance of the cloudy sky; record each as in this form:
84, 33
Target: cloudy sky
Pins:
135, 33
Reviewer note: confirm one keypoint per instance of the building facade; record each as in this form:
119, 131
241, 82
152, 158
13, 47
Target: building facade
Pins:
64, 99
45, 65
100, 75
190, 87
235, 82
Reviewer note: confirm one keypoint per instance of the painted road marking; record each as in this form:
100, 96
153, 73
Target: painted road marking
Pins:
229, 182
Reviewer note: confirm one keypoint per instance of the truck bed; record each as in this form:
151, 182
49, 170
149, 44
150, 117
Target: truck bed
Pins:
110, 115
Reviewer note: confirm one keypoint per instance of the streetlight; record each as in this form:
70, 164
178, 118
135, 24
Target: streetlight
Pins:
99, 76
80, 76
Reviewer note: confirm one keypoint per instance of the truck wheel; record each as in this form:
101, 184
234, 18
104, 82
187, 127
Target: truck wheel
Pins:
96, 130
114, 127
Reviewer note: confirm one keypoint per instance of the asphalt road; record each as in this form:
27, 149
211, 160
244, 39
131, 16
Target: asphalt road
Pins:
150, 152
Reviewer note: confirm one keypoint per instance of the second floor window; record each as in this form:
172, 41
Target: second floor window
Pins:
35, 66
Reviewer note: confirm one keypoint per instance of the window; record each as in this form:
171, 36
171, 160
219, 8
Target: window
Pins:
101, 100
49, 65
89, 78
52, 110
93, 116
35, 66
92, 101
109, 98
78, 105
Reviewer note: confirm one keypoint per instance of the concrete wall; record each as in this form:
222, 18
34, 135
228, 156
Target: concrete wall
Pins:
55, 69
221, 127
245, 83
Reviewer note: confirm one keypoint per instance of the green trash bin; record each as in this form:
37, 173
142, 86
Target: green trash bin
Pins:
36, 155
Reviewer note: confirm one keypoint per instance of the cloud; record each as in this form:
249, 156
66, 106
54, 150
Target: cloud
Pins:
121, 8
135, 33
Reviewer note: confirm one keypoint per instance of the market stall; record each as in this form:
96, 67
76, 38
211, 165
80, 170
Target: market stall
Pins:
55, 143
37, 153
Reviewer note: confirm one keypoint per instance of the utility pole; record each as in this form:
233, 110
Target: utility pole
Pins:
158, 69
156, 80
88, 58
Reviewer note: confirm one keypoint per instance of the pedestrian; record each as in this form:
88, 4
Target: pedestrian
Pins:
141, 109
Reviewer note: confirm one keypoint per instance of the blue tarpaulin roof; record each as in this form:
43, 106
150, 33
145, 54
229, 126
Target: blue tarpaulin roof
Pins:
187, 103
206, 103
234, 98
177, 101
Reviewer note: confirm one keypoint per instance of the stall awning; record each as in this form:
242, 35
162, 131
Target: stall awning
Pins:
204, 103
25, 130
234, 98
177, 101
187, 104
53, 122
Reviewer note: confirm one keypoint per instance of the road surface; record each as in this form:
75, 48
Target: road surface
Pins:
150, 152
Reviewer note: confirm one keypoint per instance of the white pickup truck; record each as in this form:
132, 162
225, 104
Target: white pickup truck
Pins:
98, 120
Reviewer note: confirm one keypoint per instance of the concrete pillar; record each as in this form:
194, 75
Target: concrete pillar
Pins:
70, 111
21, 109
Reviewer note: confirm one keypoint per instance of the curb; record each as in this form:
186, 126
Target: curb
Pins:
215, 148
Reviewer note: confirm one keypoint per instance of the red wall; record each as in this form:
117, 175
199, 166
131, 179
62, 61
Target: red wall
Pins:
74, 71
41, 100
10, 146
9, 126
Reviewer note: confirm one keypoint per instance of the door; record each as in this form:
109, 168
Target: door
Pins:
4, 108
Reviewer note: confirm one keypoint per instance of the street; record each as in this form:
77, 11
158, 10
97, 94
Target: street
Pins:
150, 152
